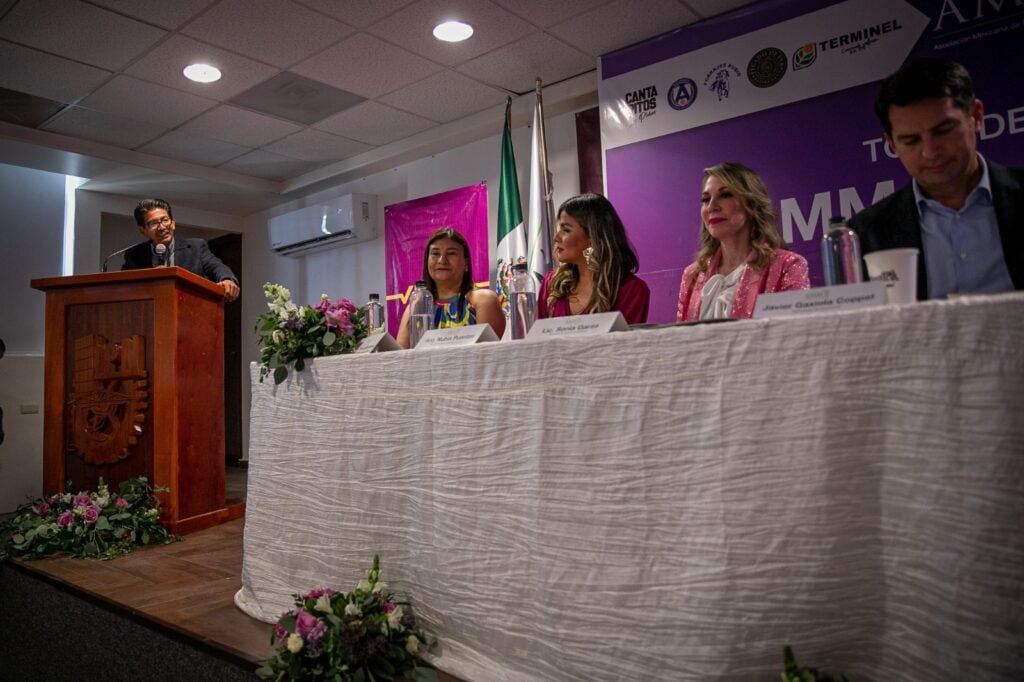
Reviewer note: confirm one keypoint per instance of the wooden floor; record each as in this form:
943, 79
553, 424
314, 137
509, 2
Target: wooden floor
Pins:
187, 586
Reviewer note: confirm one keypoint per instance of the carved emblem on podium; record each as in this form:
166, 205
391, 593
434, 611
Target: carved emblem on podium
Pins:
109, 397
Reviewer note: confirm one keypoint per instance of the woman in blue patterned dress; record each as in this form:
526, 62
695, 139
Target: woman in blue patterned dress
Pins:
447, 269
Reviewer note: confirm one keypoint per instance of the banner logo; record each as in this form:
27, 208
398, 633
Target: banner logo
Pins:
767, 67
682, 94
643, 102
804, 56
717, 80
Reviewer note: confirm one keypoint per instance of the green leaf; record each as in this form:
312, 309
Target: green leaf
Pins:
424, 674
280, 374
102, 523
300, 364
330, 338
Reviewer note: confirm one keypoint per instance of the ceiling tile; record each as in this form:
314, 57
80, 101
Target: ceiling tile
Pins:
164, 65
515, 67
26, 110
160, 12
263, 164
603, 30
366, 66
316, 145
375, 123
101, 127
194, 149
412, 28
278, 32
358, 13
142, 101
58, 27
239, 126
292, 97
44, 75
544, 13
445, 97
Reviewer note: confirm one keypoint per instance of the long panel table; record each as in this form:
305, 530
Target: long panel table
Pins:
674, 503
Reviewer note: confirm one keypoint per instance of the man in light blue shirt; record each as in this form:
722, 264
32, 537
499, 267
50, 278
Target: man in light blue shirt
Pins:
964, 213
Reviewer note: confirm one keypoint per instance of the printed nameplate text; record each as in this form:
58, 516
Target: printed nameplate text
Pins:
822, 299
378, 343
575, 325
457, 336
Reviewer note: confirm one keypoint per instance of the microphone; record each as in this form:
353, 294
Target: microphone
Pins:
161, 254
103, 268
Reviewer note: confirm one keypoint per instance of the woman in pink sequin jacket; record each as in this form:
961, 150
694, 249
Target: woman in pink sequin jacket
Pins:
741, 254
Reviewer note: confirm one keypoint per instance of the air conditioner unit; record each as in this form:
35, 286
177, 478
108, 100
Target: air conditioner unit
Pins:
339, 222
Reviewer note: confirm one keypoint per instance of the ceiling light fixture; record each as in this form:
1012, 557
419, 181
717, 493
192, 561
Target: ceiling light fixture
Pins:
201, 73
452, 31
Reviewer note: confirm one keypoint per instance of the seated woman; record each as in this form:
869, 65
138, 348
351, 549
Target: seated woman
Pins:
741, 252
447, 269
597, 263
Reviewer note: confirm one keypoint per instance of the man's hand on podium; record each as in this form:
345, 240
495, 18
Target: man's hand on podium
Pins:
231, 289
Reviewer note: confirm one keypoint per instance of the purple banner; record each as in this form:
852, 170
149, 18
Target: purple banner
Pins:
408, 225
819, 157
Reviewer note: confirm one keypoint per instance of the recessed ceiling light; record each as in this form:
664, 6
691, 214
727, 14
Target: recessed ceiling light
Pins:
452, 31
202, 73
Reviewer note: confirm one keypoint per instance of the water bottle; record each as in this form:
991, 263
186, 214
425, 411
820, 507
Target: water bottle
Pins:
421, 312
374, 315
522, 306
840, 254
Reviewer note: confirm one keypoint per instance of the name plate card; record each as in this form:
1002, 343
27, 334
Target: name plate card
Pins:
378, 343
822, 299
578, 325
457, 336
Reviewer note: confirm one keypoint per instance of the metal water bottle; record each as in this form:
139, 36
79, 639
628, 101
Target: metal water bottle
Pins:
421, 312
374, 315
840, 254
522, 305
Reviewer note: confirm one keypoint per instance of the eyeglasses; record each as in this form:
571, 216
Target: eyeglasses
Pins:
158, 222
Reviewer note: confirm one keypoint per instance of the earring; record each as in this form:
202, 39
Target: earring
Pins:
588, 255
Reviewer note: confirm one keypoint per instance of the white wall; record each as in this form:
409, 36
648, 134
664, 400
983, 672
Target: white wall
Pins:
21, 455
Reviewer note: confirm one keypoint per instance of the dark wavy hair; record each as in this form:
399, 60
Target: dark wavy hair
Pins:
924, 79
466, 285
147, 205
613, 258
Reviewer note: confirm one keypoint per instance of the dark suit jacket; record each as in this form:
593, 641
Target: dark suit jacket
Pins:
893, 223
192, 254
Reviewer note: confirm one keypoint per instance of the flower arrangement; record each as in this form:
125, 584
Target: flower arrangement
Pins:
289, 333
361, 636
792, 672
97, 524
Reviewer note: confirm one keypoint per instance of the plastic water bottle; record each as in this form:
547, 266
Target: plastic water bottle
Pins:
374, 315
840, 254
421, 312
522, 306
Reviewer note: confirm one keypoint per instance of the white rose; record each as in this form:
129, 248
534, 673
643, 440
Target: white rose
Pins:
295, 643
363, 586
353, 610
395, 619
323, 604
412, 645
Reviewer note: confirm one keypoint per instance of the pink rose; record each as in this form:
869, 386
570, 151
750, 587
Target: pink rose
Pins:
43, 509
304, 622
81, 500
65, 519
121, 503
92, 512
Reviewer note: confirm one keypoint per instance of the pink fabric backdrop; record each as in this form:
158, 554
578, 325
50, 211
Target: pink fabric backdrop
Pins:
408, 225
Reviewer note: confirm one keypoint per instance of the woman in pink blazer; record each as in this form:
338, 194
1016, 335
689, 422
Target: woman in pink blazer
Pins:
741, 252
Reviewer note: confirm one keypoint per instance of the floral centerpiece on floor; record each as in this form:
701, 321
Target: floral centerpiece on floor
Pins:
97, 524
289, 333
361, 636
794, 672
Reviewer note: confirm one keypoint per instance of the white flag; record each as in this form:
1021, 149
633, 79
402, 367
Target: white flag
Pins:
541, 210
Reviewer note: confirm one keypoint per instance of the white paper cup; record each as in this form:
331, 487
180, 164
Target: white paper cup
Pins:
898, 269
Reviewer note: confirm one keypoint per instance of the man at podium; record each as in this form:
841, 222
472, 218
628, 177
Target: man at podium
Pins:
156, 224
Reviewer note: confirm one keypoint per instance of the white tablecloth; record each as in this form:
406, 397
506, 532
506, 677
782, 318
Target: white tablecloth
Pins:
668, 504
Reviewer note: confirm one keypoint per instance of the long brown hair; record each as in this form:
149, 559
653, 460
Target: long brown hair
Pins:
612, 260
764, 236
466, 285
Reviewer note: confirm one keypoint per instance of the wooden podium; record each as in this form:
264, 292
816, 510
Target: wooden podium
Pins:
134, 386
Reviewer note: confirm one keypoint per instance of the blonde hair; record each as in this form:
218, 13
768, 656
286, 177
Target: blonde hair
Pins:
764, 236
611, 261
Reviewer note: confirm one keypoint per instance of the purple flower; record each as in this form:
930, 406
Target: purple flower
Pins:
65, 519
318, 631
309, 626
43, 509
53, 499
339, 319
279, 632
92, 512
295, 325
318, 592
81, 500
121, 503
